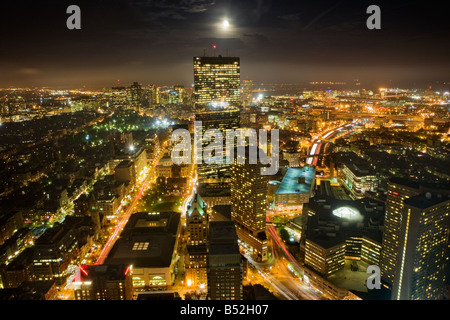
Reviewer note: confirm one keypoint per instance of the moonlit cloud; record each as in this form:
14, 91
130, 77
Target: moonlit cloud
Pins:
286, 40
28, 71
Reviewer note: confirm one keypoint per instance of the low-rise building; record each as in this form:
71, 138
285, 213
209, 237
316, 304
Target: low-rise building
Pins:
149, 243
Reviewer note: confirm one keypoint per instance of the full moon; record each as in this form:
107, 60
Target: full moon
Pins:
225, 24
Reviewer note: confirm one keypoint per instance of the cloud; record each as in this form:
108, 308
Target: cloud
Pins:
222, 43
259, 38
28, 71
290, 17
262, 7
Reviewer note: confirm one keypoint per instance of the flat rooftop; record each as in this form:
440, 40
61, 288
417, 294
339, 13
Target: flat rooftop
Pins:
143, 251
152, 223
125, 164
147, 241
297, 180
427, 200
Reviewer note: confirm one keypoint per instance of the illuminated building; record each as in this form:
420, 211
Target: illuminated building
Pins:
247, 93
215, 194
196, 264
149, 243
225, 263
135, 96
197, 234
339, 230
10, 221
216, 81
216, 119
357, 179
196, 221
295, 189
217, 103
248, 207
18, 270
370, 251
107, 204
119, 97
177, 95
137, 156
421, 258
164, 167
20, 240
398, 191
325, 257
53, 253
31, 290
82, 206
124, 172
104, 282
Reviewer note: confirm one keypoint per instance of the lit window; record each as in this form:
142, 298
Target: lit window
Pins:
140, 246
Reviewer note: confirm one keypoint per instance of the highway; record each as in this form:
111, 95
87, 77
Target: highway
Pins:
287, 270
316, 148
281, 273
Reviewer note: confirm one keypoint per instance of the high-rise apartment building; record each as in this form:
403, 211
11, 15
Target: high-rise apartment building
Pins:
225, 262
421, 260
247, 93
398, 191
135, 96
248, 207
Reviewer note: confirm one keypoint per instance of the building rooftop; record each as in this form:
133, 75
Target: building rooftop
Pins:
152, 223
359, 169
196, 203
111, 272
297, 180
334, 219
214, 190
222, 238
125, 164
28, 290
143, 251
426, 200
221, 212
147, 241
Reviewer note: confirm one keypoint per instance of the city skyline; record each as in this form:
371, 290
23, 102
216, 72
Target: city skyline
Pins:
302, 172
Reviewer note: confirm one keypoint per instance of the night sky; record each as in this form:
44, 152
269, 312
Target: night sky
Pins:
280, 41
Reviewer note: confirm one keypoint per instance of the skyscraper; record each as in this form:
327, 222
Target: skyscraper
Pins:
225, 263
421, 259
217, 103
398, 191
248, 207
216, 81
135, 96
247, 93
